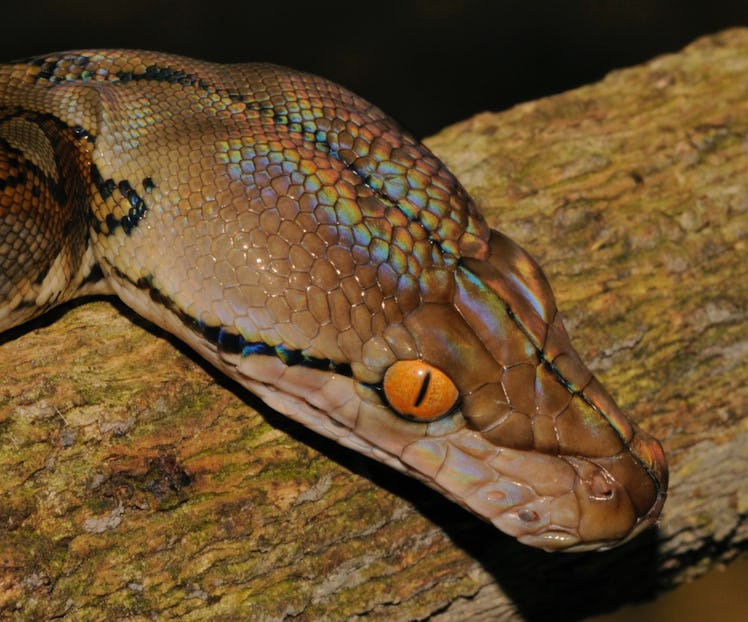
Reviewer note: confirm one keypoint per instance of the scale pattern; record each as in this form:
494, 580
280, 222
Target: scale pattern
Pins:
301, 241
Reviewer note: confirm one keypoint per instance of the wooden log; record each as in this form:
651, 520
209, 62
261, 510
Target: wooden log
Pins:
138, 483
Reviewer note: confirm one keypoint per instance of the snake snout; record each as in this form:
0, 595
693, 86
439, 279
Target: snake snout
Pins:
650, 453
621, 495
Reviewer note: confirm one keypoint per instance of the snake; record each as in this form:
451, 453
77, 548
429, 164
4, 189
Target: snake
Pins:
307, 246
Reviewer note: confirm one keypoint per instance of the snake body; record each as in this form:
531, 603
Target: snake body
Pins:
303, 243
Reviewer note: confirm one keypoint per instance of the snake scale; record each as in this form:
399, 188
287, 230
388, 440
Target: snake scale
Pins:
307, 246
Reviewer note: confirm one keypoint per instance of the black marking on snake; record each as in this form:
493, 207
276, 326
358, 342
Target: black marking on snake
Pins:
46, 68
56, 134
138, 207
88, 69
94, 276
42, 275
12, 181
50, 67
83, 68
56, 189
82, 133
104, 186
172, 75
233, 343
158, 73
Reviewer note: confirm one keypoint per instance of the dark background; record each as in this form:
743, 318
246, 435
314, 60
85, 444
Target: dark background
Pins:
428, 63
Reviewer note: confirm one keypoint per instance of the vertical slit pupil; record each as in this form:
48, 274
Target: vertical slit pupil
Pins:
424, 388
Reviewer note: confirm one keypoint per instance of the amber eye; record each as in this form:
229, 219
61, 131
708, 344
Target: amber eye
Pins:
418, 390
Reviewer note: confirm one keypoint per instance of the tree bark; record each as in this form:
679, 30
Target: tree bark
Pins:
137, 483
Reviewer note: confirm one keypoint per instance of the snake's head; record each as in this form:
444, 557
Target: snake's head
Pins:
513, 425
305, 245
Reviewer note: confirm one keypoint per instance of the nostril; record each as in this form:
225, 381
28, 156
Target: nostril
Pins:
601, 487
528, 516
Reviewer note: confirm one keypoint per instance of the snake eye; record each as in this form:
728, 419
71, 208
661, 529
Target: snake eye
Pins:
418, 390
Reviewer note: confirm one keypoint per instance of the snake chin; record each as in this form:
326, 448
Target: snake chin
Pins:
551, 541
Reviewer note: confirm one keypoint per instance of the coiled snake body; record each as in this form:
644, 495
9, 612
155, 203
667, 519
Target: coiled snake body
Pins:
299, 240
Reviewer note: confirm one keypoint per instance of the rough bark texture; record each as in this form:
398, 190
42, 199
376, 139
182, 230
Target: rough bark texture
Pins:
139, 484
